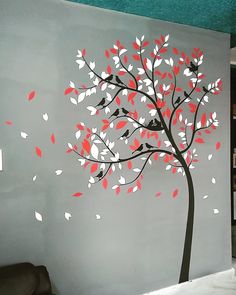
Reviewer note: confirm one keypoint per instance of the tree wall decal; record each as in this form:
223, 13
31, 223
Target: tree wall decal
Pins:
174, 93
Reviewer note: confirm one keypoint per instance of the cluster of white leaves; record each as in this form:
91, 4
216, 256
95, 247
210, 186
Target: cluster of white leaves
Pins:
80, 61
169, 62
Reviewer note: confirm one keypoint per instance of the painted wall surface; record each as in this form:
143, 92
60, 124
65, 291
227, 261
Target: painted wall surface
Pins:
108, 243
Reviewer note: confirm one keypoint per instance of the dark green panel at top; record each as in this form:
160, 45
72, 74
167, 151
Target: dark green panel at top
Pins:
217, 15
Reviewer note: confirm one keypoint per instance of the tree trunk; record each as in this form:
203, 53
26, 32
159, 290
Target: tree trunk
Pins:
184, 272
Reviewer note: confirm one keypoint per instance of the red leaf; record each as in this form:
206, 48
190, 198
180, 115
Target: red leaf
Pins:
129, 164
53, 139
8, 122
136, 57
203, 119
158, 194
83, 52
131, 97
135, 45
68, 90
107, 54
31, 95
199, 140
105, 183
121, 124
176, 70
38, 152
193, 107
109, 70
218, 144
80, 126
175, 193
118, 100
118, 190
121, 73
131, 84
145, 43
175, 51
94, 167
86, 146
78, 194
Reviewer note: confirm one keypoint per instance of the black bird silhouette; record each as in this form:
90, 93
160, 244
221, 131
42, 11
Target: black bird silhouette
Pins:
138, 149
155, 125
124, 111
193, 67
102, 102
100, 174
116, 113
204, 89
126, 133
109, 78
186, 94
177, 100
149, 146
118, 80
150, 124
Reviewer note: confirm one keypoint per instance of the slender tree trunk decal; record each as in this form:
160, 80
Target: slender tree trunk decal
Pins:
173, 91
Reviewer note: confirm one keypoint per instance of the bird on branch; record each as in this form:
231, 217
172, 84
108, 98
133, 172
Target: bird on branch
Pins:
193, 67
100, 174
177, 100
154, 125
124, 111
109, 78
138, 149
204, 89
115, 114
186, 94
125, 134
149, 146
118, 80
102, 102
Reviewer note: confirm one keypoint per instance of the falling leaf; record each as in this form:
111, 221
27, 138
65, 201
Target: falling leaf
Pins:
38, 152
78, 194
175, 193
38, 216
34, 177
158, 194
213, 180
58, 172
8, 122
31, 95
105, 183
98, 216
23, 135
67, 215
216, 211
45, 117
53, 139
209, 157
218, 145
205, 197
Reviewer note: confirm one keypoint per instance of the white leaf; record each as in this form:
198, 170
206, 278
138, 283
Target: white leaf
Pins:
23, 135
91, 179
187, 72
94, 151
167, 38
104, 86
67, 215
107, 110
138, 41
34, 177
213, 180
149, 64
209, 157
157, 63
205, 197
70, 146
38, 216
214, 116
72, 84
98, 217
92, 65
79, 53
82, 161
136, 170
73, 100
216, 211
81, 97
141, 71
92, 110
123, 51
81, 63
168, 167
167, 143
135, 189
122, 180
45, 117
130, 68
58, 172
78, 134
115, 186
150, 91
153, 112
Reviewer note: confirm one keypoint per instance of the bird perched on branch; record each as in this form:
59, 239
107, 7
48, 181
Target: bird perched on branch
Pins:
177, 100
193, 67
109, 78
118, 80
102, 102
149, 146
204, 89
138, 149
124, 111
125, 134
100, 174
154, 125
115, 114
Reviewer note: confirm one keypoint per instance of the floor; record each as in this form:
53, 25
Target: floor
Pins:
223, 283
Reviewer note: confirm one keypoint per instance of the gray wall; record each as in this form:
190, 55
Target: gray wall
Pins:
137, 244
